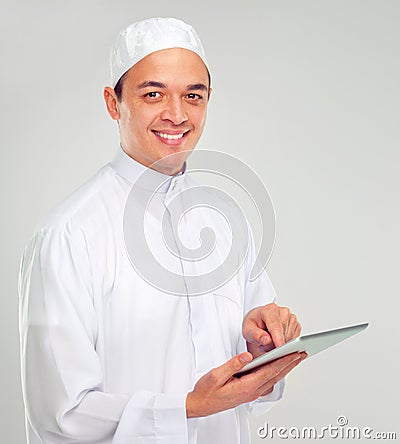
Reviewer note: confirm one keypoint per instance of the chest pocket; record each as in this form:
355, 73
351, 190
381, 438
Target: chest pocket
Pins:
229, 306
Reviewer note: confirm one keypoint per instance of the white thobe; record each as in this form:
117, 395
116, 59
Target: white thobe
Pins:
107, 357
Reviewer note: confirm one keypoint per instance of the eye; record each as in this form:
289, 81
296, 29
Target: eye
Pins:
193, 96
153, 95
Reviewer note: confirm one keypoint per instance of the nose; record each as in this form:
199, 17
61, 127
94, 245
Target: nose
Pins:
174, 111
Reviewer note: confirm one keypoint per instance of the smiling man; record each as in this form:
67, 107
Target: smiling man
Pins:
107, 356
160, 113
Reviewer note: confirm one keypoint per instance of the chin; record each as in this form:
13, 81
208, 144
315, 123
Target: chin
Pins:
172, 162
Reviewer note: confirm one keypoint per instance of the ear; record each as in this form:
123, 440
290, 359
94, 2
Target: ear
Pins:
209, 93
111, 103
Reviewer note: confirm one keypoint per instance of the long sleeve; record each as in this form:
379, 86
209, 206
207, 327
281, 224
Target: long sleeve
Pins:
107, 357
62, 373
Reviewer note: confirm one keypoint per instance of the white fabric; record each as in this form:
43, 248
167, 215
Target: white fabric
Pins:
142, 38
106, 358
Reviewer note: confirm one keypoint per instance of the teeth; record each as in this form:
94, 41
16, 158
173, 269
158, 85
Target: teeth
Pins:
169, 136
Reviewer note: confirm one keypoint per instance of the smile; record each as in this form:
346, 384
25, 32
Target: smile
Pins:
170, 136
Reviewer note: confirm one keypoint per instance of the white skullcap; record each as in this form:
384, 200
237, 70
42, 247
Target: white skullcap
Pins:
142, 38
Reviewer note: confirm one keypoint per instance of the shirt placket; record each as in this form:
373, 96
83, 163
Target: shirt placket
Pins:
198, 313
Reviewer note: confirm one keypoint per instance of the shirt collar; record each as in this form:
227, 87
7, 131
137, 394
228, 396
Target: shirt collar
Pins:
131, 170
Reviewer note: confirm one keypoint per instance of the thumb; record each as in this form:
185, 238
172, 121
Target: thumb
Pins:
227, 370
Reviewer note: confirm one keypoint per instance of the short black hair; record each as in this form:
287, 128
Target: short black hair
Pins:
118, 87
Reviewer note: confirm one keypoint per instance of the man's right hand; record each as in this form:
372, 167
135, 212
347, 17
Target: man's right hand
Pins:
219, 390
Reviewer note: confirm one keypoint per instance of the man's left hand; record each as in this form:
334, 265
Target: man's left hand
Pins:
269, 326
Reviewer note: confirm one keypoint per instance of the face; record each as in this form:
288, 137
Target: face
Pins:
163, 108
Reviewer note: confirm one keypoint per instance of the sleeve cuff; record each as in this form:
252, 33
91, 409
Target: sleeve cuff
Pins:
170, 419
149, 418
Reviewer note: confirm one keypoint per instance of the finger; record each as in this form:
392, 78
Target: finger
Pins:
297, 331
286, 325
225, 371
285, 315
280, 371
272, 318
253, 329
264, 326
255, 334
291, 328
271, 370
268, 391
275, 367
268, 386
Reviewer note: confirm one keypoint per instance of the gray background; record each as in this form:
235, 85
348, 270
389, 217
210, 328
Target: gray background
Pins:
306, 92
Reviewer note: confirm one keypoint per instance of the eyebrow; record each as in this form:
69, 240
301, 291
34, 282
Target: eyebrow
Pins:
196, 87
154, 84
151, 83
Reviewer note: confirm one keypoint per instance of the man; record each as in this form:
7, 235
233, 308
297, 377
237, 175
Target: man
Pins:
108, 356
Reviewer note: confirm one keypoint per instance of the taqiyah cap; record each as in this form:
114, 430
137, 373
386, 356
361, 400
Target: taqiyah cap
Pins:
142, 38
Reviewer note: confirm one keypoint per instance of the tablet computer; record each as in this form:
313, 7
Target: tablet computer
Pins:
311, 344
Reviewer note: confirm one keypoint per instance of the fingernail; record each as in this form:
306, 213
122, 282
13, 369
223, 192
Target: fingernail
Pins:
245, 358
265, 340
